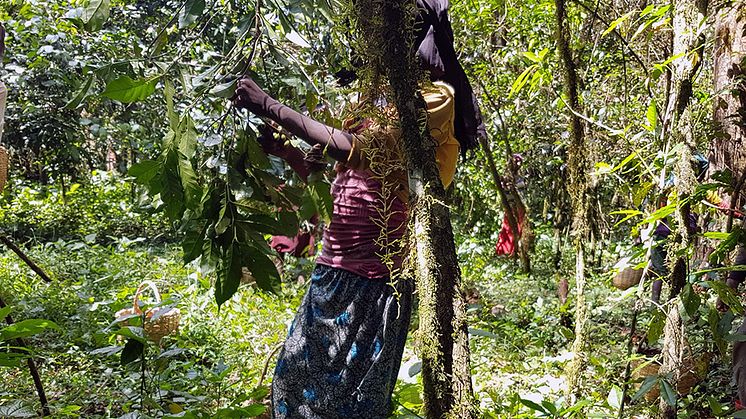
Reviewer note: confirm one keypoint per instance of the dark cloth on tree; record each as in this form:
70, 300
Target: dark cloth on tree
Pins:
434, 36
341, 358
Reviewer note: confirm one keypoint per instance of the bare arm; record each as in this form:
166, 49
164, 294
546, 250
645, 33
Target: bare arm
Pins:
249, 95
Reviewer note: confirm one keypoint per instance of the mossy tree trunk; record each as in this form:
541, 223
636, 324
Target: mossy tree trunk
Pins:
688, 15
443, 334
579, 192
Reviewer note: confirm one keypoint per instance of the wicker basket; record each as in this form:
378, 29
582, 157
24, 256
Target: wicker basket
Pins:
158, 321
694, 370
627, 278
4, 164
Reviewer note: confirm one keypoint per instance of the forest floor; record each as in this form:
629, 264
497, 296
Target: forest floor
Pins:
215, 365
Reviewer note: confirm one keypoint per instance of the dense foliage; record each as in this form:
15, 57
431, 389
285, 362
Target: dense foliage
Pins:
129, 164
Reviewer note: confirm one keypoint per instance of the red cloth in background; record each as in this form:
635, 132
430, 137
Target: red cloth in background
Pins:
506, 240
301, 245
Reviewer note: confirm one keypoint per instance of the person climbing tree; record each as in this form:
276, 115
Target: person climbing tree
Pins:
344, 347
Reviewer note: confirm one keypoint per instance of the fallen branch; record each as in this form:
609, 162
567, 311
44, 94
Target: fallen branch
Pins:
34, 267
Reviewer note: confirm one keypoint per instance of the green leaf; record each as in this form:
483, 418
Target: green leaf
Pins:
190, 185
132, 332
192, 245
126, 90
667, 392
652, 116
533, 405
735, 337
655, 328
224, 90
80, 95
262, 268
690, 299
95, 13
616, 23
190, 12
229, 276
254, 410
145, 171
727, 294
168, 92
132, 351
614, 399
26, 328
187, 135
646, 386
4, 312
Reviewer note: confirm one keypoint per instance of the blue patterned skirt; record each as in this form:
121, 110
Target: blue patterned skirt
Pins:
344, 348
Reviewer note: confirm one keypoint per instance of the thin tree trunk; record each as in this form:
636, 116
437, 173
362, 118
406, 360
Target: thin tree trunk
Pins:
579, 194
443, 328
35, 376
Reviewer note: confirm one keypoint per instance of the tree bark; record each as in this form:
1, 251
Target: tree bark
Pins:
579, 193
443, 334
727, 151
688, 15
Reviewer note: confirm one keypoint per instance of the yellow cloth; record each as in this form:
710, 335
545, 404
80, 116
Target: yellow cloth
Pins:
440, 115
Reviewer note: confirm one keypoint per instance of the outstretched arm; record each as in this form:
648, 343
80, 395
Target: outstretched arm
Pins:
250, 96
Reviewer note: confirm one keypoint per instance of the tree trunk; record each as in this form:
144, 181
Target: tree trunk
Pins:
727, 150
579, 194
443, 330
688, 15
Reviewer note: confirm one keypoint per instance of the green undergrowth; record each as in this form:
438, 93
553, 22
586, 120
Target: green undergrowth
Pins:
213, 365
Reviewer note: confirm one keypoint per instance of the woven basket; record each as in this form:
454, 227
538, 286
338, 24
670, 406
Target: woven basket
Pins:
694, 370
627, 278
158, 321
4, 164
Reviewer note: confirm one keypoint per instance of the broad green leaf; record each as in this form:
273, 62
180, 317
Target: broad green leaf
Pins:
655, 328
26, 328
191, 11
132, 332
667, 392
190, 185
95, 14
262, 268
132, 351
4, 312
145, 170
80, 95
522, 80
224, 90
126, 90
192, 245
229, 275
735, 337
690, 299
535, 406
646, 386
614, 399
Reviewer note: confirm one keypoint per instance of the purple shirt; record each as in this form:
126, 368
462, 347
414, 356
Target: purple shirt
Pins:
354, 240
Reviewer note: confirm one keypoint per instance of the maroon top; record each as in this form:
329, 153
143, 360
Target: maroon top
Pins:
354, 240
